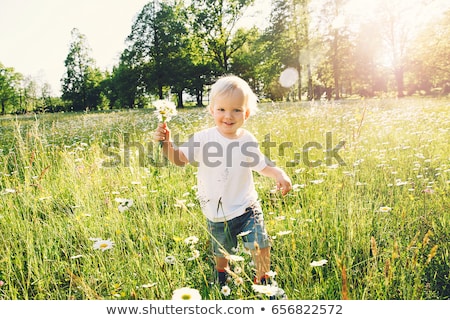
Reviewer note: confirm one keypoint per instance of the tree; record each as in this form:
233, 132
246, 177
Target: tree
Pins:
336, 36
80, 82
9, 88
216, 22
398, 23
288, 45
159, 48
428, 59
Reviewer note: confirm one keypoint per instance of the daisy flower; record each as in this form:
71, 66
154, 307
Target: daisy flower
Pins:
385, 209
170, 260
283, 233
237, 270
268, 290
234, 258
103, 244
271, 274
191, 240
195, 255
239, 281
124, 204
165, 110
225, 291
186, 294
318, 263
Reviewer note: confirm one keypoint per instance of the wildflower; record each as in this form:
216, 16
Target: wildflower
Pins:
103, 244
177, 239
318, 263
268, 290
148, 285
428, 190
191, 240
318, 181
7, 190
238, 281
180, 203
170, 260
195, 255
237, 270
271, 274
283, 233
165, 110
225, 291
124, 204
186, 294
385, 209
297, 187
399, 182
2, 283
234, 258
76, 257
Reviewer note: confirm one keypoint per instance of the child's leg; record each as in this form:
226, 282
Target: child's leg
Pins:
221, 264
261, 258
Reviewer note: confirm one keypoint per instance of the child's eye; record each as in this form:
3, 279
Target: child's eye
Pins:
237, 110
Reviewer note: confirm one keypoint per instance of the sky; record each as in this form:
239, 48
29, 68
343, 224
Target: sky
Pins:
35, 34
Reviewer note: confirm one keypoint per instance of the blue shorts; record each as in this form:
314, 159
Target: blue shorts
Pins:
224, 235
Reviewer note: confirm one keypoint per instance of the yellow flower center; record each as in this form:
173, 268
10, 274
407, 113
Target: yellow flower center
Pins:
186, 297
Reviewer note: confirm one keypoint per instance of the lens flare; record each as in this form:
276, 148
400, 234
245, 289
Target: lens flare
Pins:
288, 77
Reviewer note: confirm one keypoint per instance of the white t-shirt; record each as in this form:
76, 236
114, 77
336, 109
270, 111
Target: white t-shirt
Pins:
224, 177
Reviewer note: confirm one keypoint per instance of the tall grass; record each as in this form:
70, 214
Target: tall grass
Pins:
381, 220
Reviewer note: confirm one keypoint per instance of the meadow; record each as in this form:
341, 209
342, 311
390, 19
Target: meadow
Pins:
89, 209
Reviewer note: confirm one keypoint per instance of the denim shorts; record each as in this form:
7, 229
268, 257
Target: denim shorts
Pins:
250, 225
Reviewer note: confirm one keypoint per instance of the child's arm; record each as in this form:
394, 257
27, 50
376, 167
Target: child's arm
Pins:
283, 181
162, 133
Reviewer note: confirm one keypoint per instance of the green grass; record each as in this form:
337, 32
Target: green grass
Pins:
57, 193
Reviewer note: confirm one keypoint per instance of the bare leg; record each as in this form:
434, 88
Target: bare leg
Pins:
221, 264
261, 257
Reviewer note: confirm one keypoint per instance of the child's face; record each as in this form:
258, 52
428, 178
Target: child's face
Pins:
230, 114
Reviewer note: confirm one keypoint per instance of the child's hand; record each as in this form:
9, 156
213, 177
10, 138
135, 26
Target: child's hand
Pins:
283, 183
162, 132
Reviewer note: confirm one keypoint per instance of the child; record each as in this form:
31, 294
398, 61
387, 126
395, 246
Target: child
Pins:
226, 155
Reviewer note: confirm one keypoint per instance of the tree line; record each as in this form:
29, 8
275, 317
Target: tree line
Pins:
178, 48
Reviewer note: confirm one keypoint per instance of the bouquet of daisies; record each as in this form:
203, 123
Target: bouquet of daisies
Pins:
165, 110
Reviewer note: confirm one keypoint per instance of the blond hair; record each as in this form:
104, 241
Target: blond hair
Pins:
227, 85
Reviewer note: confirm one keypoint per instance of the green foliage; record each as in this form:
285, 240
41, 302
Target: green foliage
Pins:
181, 47
381, 220
81, 82
9, 91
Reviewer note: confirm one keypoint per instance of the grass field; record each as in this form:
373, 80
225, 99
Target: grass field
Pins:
380, 217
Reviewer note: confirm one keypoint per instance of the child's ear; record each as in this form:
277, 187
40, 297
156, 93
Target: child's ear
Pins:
247, 113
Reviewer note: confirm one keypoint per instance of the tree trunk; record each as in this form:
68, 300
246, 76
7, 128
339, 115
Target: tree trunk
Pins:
180, 99
336, 66
399, 79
